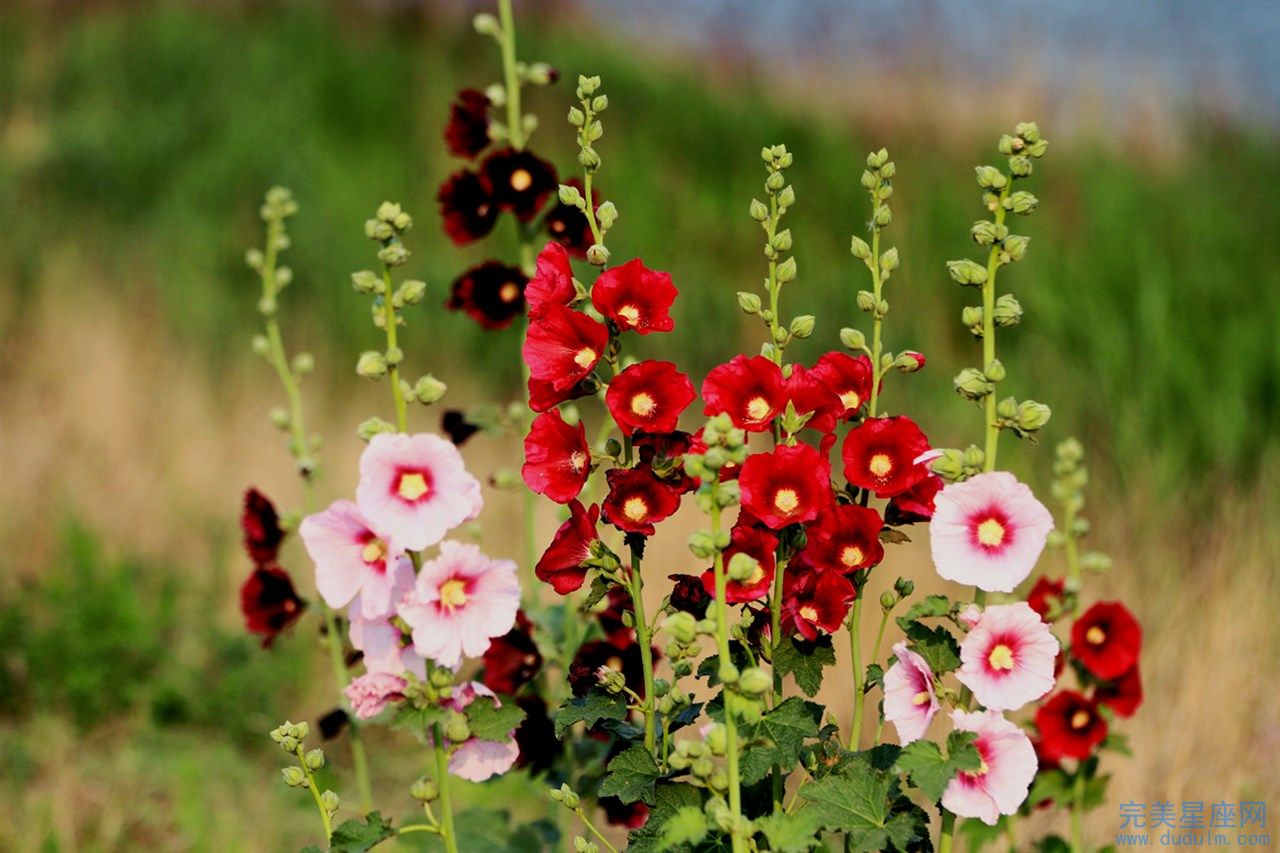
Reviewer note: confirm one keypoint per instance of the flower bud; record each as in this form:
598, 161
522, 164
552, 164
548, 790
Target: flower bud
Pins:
889, 260
786, 271
371, 365
456, 728
868, 180
1094, 561
425, 789
883, 216
1020, 167
967, 272
261, 346
994, 370
755, 681
787, 197
373, 426
314, 759
866, 301
728, 673
293, 776
749, 302
486, 24
1032, 415
280, 417
597, 255
742, 566
253, 258
860, 249
428, 390
802, 326
330, 801
1008, 311
909, 361
971, 384
888, 600
991, 177
853, 339
775, 182
1022, 203
717, 739
1015, 248
542, 74
411, 291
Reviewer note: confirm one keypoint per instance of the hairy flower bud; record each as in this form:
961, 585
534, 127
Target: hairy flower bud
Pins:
967, 272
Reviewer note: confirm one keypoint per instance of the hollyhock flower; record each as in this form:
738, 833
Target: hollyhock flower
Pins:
788, 486
988, 532
467, 207
568, 226
512, 660
372, 692
880, 455
637, 500
1070, 726
562, 565
519, 181
1007, 658
260, 525
557, 457
910, 702
761, 546
460, 601
563, 346
382, 645
467, 133
815, 603
1123, 695
1046, 596
1107, 639
269, 602
969, 616
1000, 785
689, 594
635, 297
916, 503
750, 390
649, 396
664, 452
552, 283
596, 655
454, 424
491, 293
544, 396
844, 539
536, 736
810, 395
352, 558
849, 378
617, 813
477, 760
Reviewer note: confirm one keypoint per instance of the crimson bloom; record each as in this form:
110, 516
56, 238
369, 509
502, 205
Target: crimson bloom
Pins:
557, 457
844, 539
512, 660
750, 390
815, 602
467, 133
810, 395
562, 564
260, 524
568, 226
880, 455
467, 207
758, 544
1107, 639
519, 181
269, 602
637, 500
664, 452
552, 284
688, 593
1070, 726
1123, 695
649, 396
916, 503
563, 346
544, 396
788, 486
635, 297
1046, 596
849, 378
491, 293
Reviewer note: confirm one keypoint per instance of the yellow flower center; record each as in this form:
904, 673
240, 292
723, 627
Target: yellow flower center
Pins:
1095, 636
1001, 657
809, 612
509, 292
585, 357
881, 465
991, 533
453, 593
635, 509
983, 768
921, 698
851, 556
758, 408
412, 486
786, 500
614, 663
629, 313
850, 399
521, 180
643, 405
1080, 719
756, 576
373, 551
578, 460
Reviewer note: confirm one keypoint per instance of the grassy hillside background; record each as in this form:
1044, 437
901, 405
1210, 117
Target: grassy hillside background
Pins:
135, 143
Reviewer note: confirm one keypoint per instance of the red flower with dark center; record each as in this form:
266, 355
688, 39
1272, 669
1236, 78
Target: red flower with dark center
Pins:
561, 564
637, 500
788, 486
815, 603
467, 207
848, 378
810, 395
592, 656
611, 619
269, 602
454, 424
664, 453
492, 294
617, 813
844, 539
880, 455
260, 524
557, 457
1123, 695
1070, 726
519, 181
635, 297
467, 133
552, 284
563, 346
1046, 596
761, 546
916, 503
750, 390
536, 736
512, 660
544, 396
649, 396
688, 593
568, 226
1107, 640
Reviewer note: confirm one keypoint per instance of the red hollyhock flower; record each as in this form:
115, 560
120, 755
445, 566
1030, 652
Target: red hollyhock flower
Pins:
812, 396
1123, 695
750, 390
688, 593
788, 486
844, 539
617, 813
1070, 726
561, 564
848, 378
649, 396
584, 671
536, 736
1107, 639
563, 346
637, 500
543, 395
568, 226
269, 602
635, 297
1045, 594
454, 424
557, 457
760, 545
492, 294
552, 284
880, 455
519, 181
467, 207
260, 524
916, 503
467, 133
815, 603
664, 453
512, 660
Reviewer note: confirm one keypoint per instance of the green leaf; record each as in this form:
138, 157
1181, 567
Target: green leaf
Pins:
632, 775
418, 721
1053, 844
857, 805
668, 798
804, 661
489, 721
930, 606
936, 645
962, 750
600, 586
356, 836
790, 833
687, 826
979, 834
1050, 785
931, 771
778, 737
590, 709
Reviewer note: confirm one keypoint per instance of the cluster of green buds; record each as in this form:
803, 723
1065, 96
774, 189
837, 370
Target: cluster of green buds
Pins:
1070, 477
570, 799
698, 757
429, 692
777, 246
891, 598
292, 739
684, 647
521, 74
585, 120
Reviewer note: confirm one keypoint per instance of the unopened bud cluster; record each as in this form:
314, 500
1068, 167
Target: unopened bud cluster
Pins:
777, 247
1070, 477
291, 737
585, 120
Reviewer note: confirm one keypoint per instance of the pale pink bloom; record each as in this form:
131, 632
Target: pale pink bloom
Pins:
416, 488
353, 558
384, 647
478, 760
1007, 659
460, 601
373, 691
909, 699
1000, 784
988, 531
969, 616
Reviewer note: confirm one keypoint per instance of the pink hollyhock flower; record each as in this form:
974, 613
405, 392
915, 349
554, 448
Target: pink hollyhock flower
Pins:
373, 691
751, 390
791, 484
384, 648
563, 563
1007, 658
415, 488
563, 346
460, 601
352, 559
910, 702
552, 284
557, 457
649, 396
1000, 785
477, 760
635, 297
988, 531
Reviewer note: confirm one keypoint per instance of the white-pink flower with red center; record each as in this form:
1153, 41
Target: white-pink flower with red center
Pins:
416, 488
1001, 782
352, 559
460, 601
477, 760
1007, 657
988, 531
383, 646
910, 701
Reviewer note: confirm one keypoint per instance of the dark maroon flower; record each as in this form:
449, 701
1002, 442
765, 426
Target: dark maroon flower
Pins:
518, 181
467, 133
492, 294
260, 524
584, 672
454, 424
512, 660
536, 736
689, 594
269, 602
611, 619
332, 723
631, 815
915, 504
568, 226
467, 207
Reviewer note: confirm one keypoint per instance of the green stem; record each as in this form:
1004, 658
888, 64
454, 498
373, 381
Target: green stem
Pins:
726, 659
644, 638
1071, 547
315, 794
586, 821
515, 128
876, 320
855, 650
948, 832
1077, 812
1009, 836
442, 781
393, 371
775, 628
989, 333
774, 288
